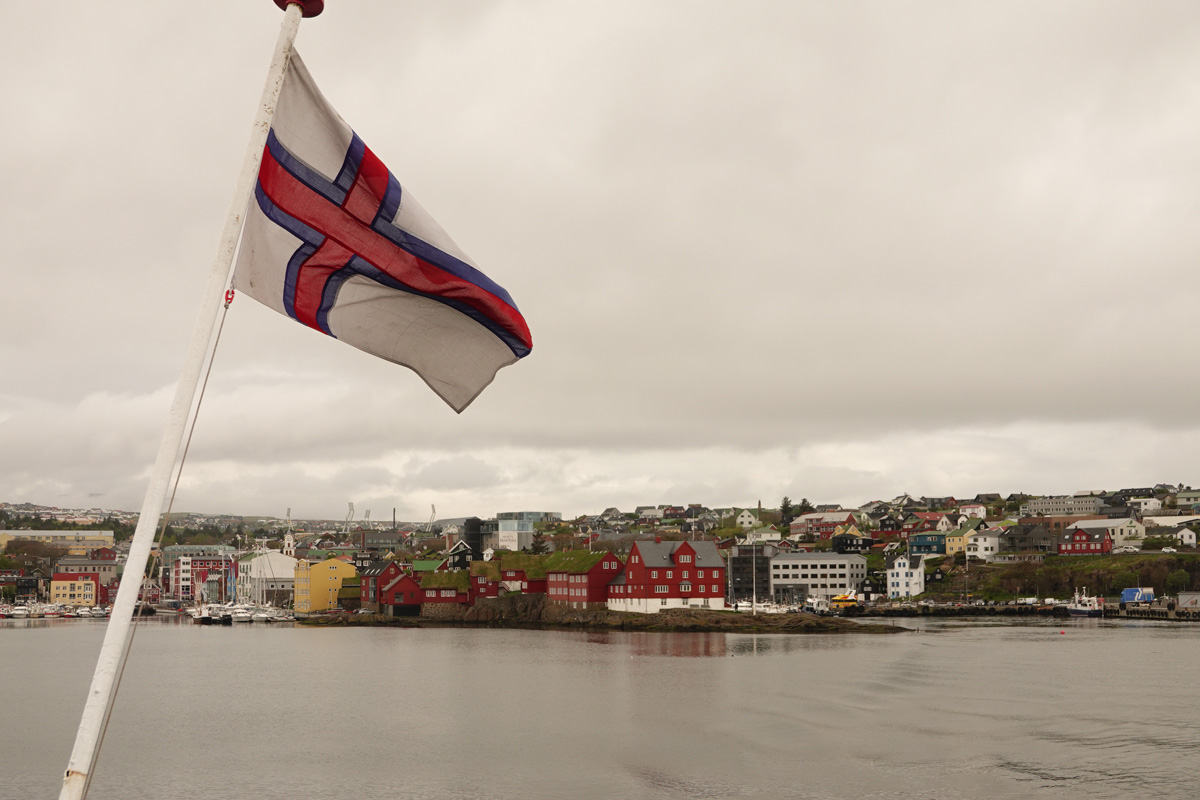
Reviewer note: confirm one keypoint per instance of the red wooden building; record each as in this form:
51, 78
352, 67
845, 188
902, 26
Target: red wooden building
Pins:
485, 579
453, 586
1080, 542
401, 596
580, 578
373, 580
523, 572
661, 575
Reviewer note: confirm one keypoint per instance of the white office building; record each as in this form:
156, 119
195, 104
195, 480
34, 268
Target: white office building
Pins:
795, 576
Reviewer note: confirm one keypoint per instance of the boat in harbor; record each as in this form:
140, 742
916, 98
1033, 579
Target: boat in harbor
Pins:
19, 612
1084, 605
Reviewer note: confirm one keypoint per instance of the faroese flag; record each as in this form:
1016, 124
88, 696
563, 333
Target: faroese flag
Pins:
333, 241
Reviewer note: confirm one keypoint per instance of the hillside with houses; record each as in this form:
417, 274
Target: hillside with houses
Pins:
650, 558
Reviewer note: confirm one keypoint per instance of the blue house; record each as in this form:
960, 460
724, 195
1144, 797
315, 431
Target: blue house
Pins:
929, 543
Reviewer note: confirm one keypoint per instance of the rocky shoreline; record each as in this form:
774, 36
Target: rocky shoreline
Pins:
532, 611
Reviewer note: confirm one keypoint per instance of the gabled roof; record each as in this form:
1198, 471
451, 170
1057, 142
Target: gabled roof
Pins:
427, 564
659, 554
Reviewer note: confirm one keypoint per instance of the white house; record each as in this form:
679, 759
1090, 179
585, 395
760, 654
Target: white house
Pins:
905, 576
767, 534
746, 519
1185, 536
973, 510
1145, 505
984, 544
266, 577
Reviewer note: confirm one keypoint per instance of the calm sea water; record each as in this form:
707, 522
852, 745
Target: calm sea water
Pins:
1082, 709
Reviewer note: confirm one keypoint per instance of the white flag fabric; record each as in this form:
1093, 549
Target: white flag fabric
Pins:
333, 241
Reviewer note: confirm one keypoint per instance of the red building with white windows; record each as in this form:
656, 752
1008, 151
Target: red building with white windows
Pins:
450, 586
1085, 542
580, 578
523, 572
374, 582
485, 579
661, 575
820, 524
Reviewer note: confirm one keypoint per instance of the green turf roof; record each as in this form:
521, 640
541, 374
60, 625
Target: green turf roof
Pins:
534, 566
488, 569
574, 560
459, 579
427, 564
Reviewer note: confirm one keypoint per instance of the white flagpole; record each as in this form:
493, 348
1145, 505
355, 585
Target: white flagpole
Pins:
120, 627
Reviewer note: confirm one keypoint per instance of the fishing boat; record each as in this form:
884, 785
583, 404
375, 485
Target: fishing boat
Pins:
1084, 605
817, 605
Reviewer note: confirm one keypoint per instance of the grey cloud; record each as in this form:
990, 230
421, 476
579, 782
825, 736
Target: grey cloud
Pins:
752, 230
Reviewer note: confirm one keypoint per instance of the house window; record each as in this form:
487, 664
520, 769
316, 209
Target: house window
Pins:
660, 589
653, 573
685, 587
714, 589
670, 574
684, 575
685, 559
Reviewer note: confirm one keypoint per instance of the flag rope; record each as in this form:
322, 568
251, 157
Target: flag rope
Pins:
115, 649
137, 615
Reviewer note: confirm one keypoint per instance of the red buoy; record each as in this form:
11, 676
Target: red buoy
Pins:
311, 7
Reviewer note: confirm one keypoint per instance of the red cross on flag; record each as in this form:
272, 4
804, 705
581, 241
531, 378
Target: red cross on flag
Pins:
333, 241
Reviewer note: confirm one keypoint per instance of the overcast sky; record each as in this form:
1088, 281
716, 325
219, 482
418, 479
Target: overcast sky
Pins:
829, 250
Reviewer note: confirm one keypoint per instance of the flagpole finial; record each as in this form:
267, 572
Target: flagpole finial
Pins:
310, 7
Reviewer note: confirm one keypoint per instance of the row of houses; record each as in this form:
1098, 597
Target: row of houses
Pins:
652, 577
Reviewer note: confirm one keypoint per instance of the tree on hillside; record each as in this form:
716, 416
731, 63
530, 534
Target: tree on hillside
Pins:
539, 547
805, 507
1178, 581
786, 511
1126, 579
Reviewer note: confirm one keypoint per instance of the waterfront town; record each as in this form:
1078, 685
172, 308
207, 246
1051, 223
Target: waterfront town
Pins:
982, 550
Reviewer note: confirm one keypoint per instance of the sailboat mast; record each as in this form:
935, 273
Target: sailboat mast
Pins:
115, 649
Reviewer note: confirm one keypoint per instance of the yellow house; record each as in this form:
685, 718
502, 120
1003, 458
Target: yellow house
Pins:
956, 541
73, 592
317, 585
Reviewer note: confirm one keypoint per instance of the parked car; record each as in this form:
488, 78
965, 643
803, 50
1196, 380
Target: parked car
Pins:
1169, 550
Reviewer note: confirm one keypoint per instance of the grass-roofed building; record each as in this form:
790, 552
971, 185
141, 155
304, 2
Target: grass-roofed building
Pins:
485, 579
523, 572
446, 587
580, 577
